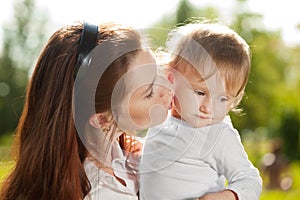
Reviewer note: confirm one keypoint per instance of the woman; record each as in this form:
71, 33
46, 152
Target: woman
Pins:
70, 134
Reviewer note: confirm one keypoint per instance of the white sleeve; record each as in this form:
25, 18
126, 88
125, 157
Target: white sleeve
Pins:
229, 158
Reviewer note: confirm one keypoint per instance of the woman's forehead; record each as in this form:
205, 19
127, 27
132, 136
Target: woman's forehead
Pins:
143, 57
142, 71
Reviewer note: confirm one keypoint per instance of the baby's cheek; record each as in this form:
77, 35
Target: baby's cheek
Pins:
220, 111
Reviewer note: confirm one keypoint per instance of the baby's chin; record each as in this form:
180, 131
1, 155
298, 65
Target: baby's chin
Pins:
201, 125
197, 122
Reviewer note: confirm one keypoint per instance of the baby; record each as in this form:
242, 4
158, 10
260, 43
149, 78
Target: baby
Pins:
196, 150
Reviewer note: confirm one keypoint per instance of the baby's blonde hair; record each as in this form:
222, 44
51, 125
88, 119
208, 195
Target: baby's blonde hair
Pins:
208, 48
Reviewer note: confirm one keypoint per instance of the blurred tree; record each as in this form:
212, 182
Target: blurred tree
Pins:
269, 60
22, 40
185, 13
272, 94
290, 104
290, 134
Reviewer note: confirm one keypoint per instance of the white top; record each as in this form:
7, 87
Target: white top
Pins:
182, 162
106, 186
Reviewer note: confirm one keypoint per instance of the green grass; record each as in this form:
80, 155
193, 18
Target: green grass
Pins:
5, 168
280, 195
291, 194
6, 164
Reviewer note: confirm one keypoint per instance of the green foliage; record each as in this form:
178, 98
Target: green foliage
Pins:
6, 141
290, 134
185, 13
261, 103
22, 40
272, 91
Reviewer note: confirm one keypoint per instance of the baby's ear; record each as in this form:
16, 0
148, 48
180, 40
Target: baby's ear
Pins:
98, 120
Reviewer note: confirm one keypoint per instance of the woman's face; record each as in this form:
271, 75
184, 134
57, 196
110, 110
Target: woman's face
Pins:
147, 95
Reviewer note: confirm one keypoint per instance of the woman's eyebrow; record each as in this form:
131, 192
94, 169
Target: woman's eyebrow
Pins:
149, 88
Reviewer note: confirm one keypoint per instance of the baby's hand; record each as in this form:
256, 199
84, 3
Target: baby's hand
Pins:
223, 195
132, 146
132, 149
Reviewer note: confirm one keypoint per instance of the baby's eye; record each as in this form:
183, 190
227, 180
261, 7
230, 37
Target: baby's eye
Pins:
223, 99
199, 92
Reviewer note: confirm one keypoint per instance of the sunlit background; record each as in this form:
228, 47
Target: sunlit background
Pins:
271, 122
277, 15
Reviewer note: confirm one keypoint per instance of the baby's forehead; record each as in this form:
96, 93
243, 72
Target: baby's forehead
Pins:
199, 79
193, 73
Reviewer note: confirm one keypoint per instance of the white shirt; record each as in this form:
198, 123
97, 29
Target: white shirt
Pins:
182, 162
106, 186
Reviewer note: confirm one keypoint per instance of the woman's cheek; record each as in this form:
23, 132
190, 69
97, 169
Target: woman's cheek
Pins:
157, 113
150, 113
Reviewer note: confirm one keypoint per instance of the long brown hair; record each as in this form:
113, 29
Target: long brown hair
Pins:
49, 153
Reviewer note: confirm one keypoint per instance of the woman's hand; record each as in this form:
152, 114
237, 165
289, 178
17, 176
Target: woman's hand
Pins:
223, 195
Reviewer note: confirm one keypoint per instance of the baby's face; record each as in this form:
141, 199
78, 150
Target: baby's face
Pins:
201, 102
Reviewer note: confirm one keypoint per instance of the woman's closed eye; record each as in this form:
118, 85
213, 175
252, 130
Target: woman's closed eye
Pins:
150, 94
